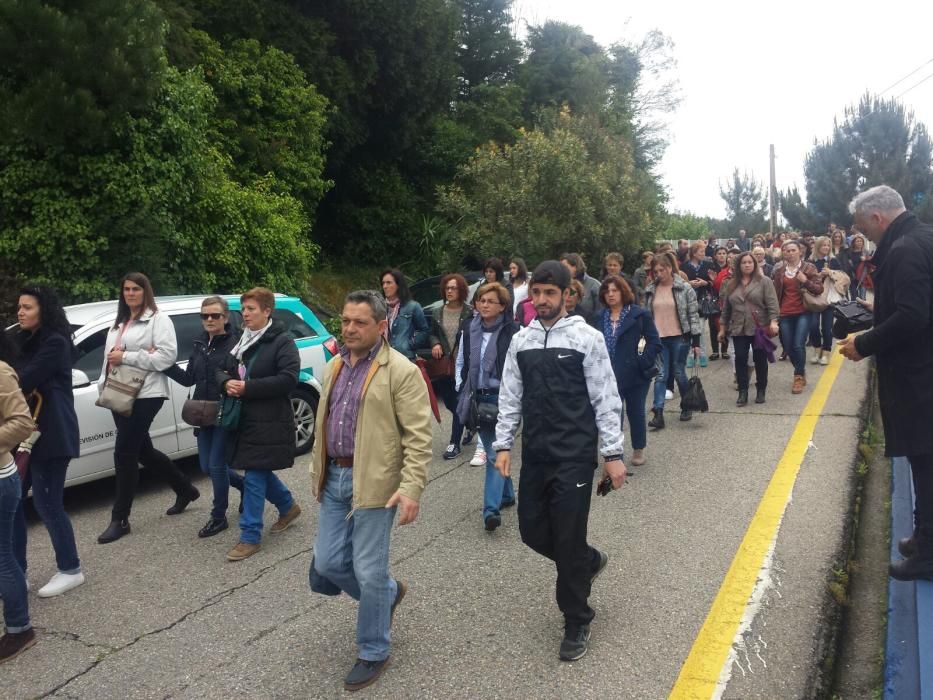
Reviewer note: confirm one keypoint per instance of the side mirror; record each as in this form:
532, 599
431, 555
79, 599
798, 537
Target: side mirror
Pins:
79, 379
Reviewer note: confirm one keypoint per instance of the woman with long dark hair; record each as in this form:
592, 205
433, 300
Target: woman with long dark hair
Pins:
750, 301
408, 328
207, 357
144, 338
46, 353
445, 341
791, 277
518, 281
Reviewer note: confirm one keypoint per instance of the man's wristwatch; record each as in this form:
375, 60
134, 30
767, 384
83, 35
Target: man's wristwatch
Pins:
613, 458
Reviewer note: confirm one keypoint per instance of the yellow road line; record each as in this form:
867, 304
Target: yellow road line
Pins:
701, 671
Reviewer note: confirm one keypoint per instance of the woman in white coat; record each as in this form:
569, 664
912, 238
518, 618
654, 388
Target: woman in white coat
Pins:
144, 338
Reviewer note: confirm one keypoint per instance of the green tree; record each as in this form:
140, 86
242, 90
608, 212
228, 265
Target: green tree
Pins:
269, 119
487, 52
878, 142
160, 201
570, 185
685, 226
795, 211
71, 71
746, 203
565, 65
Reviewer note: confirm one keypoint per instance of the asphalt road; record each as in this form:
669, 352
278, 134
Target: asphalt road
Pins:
164, 615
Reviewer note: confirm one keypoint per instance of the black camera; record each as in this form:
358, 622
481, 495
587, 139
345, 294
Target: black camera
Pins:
605, 486
850, 317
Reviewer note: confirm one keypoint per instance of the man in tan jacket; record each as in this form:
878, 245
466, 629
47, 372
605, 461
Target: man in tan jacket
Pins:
371, 458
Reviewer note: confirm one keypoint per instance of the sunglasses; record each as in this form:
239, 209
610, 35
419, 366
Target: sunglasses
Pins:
213, 317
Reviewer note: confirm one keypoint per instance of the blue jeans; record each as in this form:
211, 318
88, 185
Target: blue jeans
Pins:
47, 478
211, 442
258, 485
12, 578
353, 554
674, 351
821, 328
794, 331
498, 489
633, 400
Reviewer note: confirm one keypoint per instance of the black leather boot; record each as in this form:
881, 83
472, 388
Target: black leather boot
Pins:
919, 565
658, 421
743, 398
182, 500
759, 394
114, 531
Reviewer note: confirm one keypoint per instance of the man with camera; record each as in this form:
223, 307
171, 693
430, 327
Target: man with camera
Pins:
902, 343
559, 382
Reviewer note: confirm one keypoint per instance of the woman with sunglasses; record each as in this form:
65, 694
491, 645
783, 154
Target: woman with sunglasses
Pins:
206, 359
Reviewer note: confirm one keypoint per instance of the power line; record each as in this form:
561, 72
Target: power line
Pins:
916, 70
915, 85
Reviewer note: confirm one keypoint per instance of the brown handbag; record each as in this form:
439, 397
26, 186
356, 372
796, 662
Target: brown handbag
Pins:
200, 414
439, 368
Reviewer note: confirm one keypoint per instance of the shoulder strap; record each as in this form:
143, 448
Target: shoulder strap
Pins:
252, 360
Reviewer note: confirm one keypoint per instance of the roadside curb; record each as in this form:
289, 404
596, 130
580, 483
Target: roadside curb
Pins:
830, 639
908, 669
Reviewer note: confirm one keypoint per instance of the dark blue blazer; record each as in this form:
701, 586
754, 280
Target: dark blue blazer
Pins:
45, 364
631, 369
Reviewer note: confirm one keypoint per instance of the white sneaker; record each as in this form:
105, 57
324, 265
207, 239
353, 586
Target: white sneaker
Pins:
824, 358
479, 458
815, 357
668, 395
60, 583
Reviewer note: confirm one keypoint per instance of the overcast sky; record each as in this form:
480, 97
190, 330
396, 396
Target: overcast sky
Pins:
749, 80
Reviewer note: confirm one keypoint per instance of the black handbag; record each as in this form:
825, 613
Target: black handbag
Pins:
695, 398
483, 416
850, 317
709, 306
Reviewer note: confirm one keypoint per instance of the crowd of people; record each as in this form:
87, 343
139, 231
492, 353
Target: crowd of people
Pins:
565, 354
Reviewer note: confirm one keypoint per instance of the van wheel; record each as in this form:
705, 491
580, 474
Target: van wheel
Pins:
304, 408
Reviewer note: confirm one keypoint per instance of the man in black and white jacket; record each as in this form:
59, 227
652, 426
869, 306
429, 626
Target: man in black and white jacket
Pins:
558, 381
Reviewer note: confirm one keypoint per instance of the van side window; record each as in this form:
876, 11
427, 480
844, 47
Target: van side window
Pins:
89, 357
187, 328
294, 324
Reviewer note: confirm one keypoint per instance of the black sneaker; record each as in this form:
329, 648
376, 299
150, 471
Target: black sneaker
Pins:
575, 643
452, 451
603, 560
182, 500
213, 527
468, 438
364, 673
492, 522
507, 504
686, 415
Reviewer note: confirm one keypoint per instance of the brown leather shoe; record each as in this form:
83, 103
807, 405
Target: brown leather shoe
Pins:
799, 383
242, 551
281, 525
12, 644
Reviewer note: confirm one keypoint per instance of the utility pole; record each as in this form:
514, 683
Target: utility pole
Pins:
773, 196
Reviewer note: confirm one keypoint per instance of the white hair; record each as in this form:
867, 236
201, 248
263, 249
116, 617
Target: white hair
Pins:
880, 199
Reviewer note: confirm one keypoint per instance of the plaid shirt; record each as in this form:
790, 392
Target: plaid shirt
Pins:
344, 404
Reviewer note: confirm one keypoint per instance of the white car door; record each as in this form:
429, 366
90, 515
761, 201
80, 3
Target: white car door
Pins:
188, 326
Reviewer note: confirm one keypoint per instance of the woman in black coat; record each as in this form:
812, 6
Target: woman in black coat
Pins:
206, 358
261, 370
44, 365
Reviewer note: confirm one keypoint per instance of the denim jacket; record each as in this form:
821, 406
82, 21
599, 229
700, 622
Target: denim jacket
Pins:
410, 329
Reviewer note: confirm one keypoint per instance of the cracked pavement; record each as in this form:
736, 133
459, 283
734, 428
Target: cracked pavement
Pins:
164, 615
